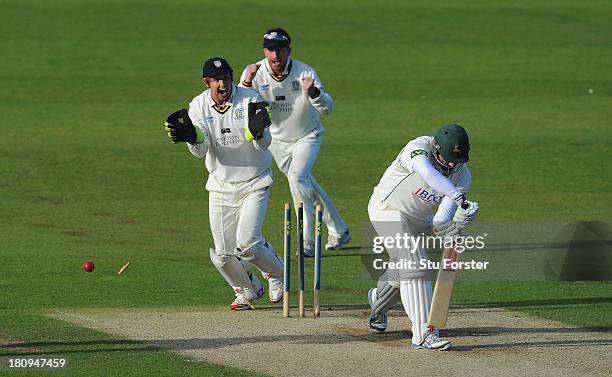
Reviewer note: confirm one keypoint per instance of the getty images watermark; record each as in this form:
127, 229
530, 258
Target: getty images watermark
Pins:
408, 252
515, 250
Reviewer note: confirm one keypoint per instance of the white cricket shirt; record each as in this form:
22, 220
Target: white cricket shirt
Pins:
229, 157
294, 114
402, 188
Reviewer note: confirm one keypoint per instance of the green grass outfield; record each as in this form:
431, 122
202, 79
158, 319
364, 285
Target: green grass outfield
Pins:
87, 171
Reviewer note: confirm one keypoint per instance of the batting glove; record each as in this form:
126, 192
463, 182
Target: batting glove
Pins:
466, 214
447, 230
180, 128
259, 119
458, 197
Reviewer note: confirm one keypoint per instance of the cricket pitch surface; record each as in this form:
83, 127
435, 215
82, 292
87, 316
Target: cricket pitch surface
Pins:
485, 342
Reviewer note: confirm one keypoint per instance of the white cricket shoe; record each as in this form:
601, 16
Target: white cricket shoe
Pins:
433, 342
257, 291
241, 303
244, 297
336, 242
309, 250
275, 289
377, 323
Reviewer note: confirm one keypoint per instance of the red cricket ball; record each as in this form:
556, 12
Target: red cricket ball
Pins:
88, 266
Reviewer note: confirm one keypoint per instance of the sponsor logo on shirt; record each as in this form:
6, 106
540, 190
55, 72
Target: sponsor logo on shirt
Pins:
282, 107
209, 119
418, 152
228, 140
280, 98
238, 113
427, 197
264, 86
225, 130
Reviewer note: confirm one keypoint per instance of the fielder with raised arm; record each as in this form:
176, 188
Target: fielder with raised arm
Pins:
297, 98
227, 126
430, 171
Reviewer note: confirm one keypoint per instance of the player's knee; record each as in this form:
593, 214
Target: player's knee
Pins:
246, 243
250, 251
219, 259
247, 252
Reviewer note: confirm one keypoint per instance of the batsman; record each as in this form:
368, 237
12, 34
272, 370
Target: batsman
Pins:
430, 172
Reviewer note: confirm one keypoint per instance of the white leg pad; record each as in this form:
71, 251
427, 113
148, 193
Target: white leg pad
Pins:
262, 255
387, 297
234, 273
416, 298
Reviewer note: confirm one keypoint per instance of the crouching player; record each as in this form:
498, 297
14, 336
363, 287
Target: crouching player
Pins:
430, 171
227, 126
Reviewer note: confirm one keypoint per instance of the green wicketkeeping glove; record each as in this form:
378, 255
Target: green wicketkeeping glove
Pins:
259, 119
180, 128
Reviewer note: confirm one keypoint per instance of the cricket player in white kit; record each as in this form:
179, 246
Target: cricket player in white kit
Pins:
227, 127
430, 171
298, 98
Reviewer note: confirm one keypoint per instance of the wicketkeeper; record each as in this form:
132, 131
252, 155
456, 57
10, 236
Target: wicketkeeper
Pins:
429, 172
227, 126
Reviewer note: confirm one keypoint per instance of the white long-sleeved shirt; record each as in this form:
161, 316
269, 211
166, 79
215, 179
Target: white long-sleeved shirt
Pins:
294, 114
414, 186
228, 156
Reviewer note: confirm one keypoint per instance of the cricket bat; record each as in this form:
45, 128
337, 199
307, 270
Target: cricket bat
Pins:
443, 290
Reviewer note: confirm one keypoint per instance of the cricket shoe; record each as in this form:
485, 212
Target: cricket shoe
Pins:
241, 302
257, 289
377, 323
337, 242
433, 342
275, 289
309, 250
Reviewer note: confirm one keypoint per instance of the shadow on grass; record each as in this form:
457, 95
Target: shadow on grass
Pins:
492, 331
333, 307
540, 302
351, 251
528, 345
477, 305
341, 337
75, 347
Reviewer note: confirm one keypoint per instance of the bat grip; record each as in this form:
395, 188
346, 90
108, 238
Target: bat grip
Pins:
465, 205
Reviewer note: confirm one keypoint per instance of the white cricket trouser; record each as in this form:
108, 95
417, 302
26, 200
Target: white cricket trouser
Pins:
236, 213
296, 159
415, 284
